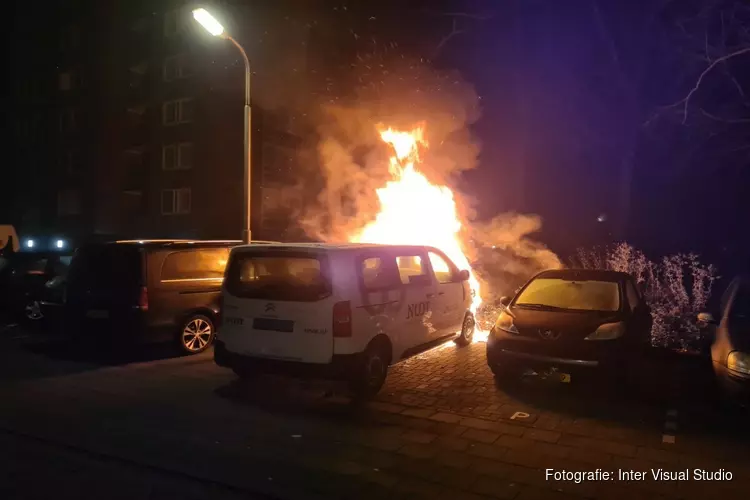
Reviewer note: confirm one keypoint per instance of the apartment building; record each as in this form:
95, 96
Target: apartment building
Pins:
139, 120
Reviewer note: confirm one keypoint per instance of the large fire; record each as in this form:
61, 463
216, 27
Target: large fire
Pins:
415, 212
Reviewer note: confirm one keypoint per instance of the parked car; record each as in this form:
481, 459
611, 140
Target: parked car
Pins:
342, 312
147, 291
729, 339
22, 279
570, 321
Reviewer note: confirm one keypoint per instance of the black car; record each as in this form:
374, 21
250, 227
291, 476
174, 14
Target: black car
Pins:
568, 321
22, 279
730, 339
130, 292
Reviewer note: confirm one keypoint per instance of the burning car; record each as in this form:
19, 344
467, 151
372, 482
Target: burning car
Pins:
567, 321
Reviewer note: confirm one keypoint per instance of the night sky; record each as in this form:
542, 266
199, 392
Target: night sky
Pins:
575, 99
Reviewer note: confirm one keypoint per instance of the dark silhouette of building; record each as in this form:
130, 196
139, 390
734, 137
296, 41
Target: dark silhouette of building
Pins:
129, 120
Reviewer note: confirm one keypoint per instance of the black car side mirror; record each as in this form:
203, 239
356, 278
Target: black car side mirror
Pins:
706, 318
463, 275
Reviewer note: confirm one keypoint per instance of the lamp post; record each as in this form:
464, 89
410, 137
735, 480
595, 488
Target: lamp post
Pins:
215, 28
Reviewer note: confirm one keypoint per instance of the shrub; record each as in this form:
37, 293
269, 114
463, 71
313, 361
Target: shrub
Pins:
676, 288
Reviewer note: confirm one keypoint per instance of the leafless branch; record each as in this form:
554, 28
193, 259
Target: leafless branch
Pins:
723, 120
454, 31
467, 15
686, 101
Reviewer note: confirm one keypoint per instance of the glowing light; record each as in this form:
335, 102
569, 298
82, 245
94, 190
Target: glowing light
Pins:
208, 21
30, 243
59, 243
414, 211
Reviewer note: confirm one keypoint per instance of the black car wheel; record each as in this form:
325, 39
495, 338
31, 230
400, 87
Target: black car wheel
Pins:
370, 375
196, 335
467, 331
33, 311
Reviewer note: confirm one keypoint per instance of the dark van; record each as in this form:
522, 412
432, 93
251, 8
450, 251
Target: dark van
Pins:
144, 291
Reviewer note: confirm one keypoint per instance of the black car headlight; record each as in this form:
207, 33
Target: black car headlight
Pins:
739, 362
608, 331
505, 323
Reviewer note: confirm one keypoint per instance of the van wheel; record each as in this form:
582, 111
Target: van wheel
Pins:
33, 311
369, 376
196, 335
467, 331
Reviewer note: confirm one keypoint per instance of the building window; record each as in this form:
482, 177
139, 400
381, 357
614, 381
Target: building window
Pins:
66, 81
175, 201
71, 162
70, 80
177, 156
176, 67
68, 120
178, 111
68, 202
175, 22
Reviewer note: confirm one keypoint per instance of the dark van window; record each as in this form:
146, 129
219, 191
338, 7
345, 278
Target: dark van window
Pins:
278, 276
199, 264
108, 265
379, 273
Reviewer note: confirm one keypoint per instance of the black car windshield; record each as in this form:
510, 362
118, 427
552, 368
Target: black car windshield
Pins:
562, 294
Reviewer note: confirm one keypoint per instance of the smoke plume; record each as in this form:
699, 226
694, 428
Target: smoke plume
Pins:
340, 197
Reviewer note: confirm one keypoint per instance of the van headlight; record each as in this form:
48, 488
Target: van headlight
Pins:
739, 362
608, 331
505, 322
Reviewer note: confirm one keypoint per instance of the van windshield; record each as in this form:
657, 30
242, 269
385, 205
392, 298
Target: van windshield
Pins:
277, 275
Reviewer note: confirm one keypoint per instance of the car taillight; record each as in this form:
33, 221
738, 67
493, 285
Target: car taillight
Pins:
342, 319
143, 299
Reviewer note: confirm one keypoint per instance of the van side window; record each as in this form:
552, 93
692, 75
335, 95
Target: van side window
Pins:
379, 273
444, 271
199, 264
633, 299
412, 270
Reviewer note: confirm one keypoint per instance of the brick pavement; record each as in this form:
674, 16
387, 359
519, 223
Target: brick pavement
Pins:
440, 429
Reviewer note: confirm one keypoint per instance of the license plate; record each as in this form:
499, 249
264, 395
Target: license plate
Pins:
97, 314
565, 378
275, 325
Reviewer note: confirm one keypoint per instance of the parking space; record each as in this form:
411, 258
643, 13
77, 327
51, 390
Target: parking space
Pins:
440, 428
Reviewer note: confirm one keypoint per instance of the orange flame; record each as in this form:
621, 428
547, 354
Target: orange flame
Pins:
412, 210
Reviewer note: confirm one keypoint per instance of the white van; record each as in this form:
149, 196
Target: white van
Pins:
338, 311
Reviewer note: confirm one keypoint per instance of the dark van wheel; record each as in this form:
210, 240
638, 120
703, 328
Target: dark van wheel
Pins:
33, 311
369, 375
196, 335
467, 331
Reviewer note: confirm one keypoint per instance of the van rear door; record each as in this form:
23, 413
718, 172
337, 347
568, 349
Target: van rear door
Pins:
277, 303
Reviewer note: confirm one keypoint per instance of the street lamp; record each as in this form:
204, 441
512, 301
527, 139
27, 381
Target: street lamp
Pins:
215, 28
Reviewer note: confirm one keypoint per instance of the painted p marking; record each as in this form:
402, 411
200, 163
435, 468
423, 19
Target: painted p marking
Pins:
519, 414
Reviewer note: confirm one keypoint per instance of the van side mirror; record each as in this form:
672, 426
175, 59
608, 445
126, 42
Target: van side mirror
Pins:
706, 318
504, 301
463, 275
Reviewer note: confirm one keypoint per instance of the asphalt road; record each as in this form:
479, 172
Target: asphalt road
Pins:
77, 423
